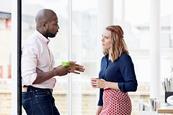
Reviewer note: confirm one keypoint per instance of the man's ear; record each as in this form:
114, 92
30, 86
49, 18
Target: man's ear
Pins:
45, 26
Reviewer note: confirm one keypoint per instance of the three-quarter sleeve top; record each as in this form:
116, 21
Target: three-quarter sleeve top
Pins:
120, 71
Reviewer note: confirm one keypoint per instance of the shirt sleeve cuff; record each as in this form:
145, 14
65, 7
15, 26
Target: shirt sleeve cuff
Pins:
100, 103
121, 86
29, 80
32, 79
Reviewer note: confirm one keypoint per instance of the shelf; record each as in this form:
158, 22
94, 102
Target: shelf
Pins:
167, 110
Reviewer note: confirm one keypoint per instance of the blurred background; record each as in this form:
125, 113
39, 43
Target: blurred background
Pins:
148, 27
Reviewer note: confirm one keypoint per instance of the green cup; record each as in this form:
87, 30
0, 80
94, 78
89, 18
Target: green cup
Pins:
65, 64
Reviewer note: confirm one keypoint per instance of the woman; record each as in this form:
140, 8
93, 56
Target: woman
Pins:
117, 75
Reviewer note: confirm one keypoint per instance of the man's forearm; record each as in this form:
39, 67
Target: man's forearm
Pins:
43, 76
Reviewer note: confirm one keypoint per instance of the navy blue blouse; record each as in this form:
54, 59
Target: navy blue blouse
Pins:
120, 71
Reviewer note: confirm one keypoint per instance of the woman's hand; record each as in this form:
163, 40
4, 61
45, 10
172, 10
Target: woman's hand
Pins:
101, 83
98, 83
99, 109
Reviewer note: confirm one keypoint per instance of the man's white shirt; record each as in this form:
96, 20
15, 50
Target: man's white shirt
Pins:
36, 54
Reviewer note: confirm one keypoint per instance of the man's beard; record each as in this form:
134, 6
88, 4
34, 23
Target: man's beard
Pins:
51, 35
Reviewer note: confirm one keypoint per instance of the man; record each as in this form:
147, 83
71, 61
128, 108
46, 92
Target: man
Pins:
37, 67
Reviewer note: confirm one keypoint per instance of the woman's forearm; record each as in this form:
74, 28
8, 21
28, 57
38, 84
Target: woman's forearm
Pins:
112, 85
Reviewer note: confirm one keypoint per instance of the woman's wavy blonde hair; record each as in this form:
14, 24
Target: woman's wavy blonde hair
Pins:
118, 44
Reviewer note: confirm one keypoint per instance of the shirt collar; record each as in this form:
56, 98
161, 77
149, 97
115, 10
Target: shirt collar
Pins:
44, 39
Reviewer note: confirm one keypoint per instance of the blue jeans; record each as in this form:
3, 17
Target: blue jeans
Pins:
38, 101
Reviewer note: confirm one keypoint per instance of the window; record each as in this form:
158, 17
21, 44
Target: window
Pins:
5, 61
73, 93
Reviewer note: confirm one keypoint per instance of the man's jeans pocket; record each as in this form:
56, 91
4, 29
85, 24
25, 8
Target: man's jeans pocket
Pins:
27, 102
39, 103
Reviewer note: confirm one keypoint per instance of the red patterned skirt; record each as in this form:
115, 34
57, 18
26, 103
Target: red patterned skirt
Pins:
116, 102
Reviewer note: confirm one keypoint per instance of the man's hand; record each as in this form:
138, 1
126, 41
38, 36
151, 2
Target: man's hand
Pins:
75, 68
60, 71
